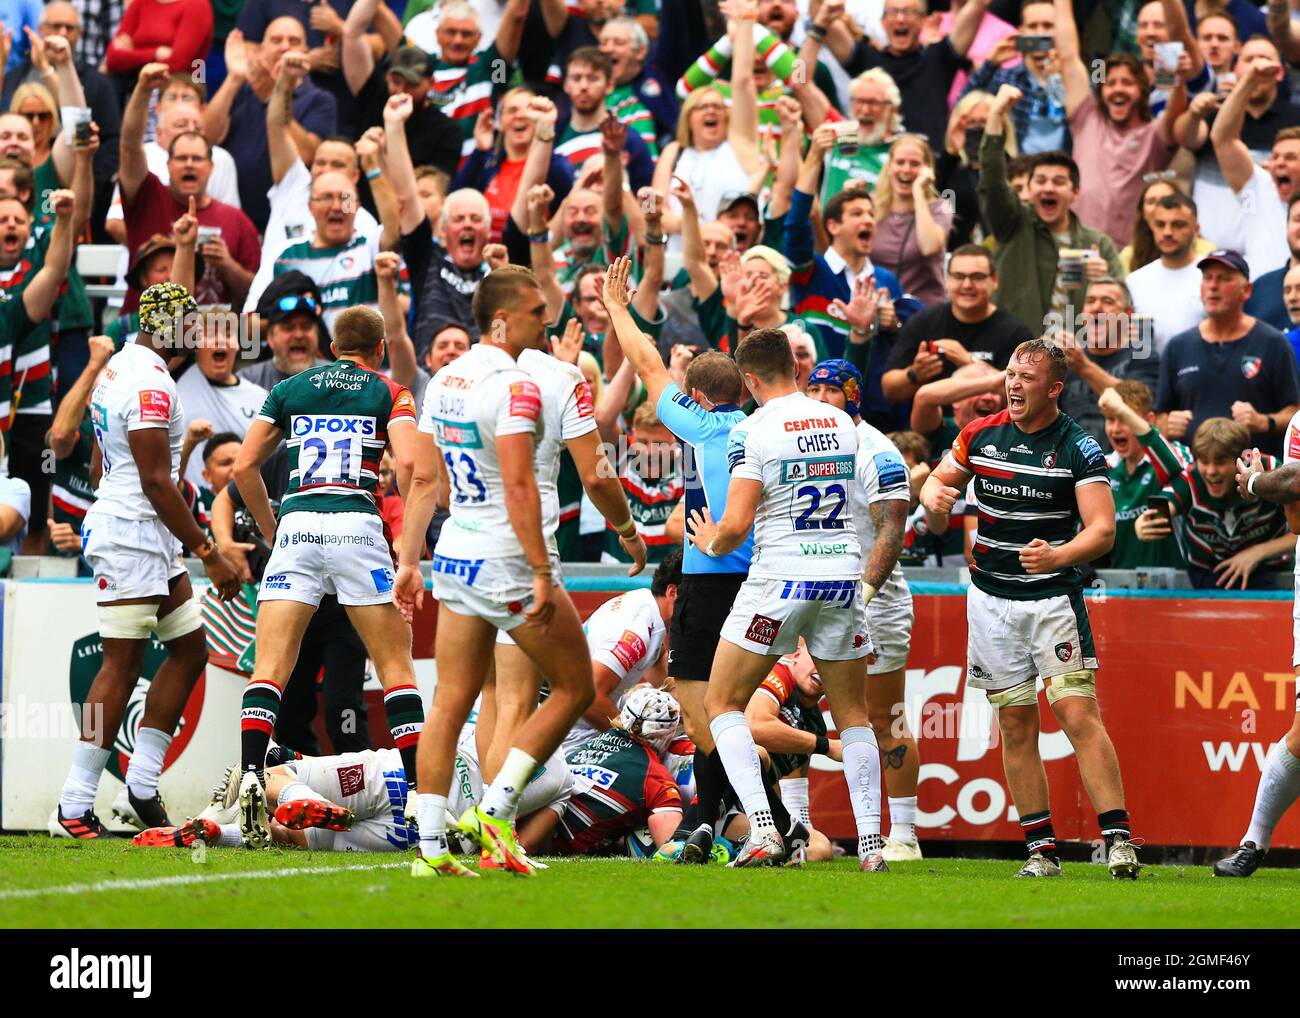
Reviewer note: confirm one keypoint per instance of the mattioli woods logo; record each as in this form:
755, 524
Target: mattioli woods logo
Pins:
87, 657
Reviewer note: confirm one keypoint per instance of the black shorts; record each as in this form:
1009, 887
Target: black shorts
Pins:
703, 603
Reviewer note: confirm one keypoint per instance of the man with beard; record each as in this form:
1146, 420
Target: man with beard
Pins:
947, 336
1041, 124
464, 78
1267, 302
639, 99
150, 206
924, 73
1268, 112
1115, 140
1168, 290
1031, 234
1263, 192
444, 273
875, 100
587, 83
290, 313
1108, 348
569, 32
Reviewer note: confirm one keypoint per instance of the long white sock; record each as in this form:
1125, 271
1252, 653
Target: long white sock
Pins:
146, 765
431, 814
230, 836
862, 774
1279, 786
297, 790
740, 760
501, 800
794, 793
82, 782
902, 818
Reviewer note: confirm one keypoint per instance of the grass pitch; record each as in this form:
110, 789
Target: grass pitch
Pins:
50, 883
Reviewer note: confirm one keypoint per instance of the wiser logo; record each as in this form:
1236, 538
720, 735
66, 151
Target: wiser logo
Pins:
75, 971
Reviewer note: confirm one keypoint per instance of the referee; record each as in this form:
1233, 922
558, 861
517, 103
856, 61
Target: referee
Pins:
702, 417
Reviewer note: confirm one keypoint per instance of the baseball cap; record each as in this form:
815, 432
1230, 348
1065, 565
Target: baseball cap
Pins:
1227, 258
411, 62
158, 242
288, 294
733, 198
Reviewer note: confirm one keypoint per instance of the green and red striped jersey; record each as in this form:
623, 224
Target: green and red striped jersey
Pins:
335, 418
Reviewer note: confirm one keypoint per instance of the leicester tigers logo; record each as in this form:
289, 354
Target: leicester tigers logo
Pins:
1250, 366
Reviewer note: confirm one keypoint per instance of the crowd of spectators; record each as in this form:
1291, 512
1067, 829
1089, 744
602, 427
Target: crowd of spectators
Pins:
915, 190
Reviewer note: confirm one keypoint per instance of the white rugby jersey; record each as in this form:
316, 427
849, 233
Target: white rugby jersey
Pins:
625, 634
1291, 454
882, 477
475, 399
805, 454
569, 412
133, 392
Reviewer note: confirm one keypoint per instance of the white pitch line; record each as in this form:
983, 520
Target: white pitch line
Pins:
197, 878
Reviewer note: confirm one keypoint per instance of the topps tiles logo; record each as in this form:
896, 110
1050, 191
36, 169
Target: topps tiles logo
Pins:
77, 971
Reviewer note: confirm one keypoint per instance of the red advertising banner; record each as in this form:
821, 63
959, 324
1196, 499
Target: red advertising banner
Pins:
1194, 692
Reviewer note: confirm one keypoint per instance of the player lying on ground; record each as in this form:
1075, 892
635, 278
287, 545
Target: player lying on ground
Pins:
354, 802
621, 784
1045, 509
1279, 784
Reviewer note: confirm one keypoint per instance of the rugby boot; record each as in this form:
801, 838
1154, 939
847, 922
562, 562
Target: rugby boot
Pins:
1242, 863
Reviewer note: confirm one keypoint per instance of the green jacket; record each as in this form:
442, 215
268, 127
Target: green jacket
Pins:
1026, 250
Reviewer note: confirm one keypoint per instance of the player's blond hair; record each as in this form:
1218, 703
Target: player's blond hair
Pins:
1220, 438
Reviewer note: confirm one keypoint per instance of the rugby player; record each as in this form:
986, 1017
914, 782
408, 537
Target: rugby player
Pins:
481, 419
627, 639
337, 420
792, 465
351, 802
702, 416
1279, 784
621, 783
1037, 476
510, 693
881, 505
784, 714
129, 539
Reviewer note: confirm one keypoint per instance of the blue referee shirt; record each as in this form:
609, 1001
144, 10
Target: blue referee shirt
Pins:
704, 436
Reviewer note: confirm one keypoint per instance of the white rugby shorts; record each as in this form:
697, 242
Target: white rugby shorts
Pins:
315, 554
129, 558
769, 616
1010, 642
497, 590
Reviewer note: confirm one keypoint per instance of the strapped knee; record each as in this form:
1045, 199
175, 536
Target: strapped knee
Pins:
181, 622
127, 621
1080, 683
1024, 694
